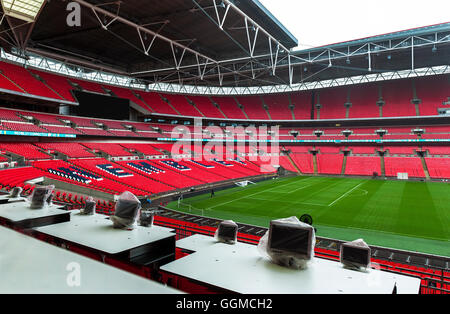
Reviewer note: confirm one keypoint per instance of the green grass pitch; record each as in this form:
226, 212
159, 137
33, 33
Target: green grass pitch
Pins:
413, 216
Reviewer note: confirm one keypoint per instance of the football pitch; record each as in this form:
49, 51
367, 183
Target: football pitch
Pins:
413, 216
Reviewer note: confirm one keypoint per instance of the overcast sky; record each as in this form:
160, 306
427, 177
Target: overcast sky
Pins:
316, 23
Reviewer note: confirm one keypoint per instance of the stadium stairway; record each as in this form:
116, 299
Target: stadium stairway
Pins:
293, 163
383, 166
241, 107
344, 164
316, 171
218, 107
425, 168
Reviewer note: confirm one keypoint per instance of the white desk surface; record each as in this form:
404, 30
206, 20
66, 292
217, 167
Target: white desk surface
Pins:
97, 232
197, 242
242, 269
12, 199
30, 266
20, 211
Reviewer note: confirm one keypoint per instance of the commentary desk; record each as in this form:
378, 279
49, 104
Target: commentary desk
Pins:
30, 266
20, 215
142, 245
240, 268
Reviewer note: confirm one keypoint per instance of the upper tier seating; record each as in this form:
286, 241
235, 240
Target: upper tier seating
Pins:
332, 101
58, 83
364, 101
278, 107
88, 86
182, 106
230, 108
253, 107
431, 91
155, 102
206, 107
22, 78
302, 103
398, 95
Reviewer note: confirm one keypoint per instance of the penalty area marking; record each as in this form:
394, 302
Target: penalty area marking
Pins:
345, 194
249, 195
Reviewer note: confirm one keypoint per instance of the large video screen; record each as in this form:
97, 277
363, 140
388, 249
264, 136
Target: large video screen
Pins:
101, 106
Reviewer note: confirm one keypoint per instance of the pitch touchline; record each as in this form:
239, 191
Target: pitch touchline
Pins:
345, 194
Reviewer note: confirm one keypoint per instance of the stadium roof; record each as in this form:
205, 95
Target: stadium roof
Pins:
208, 43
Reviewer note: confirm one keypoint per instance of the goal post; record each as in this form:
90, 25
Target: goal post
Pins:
244, 183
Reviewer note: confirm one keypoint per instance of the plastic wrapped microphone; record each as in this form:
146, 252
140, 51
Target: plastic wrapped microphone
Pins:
146, 219
41, 197
15, 192
89, 207
127, 211
227, 232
